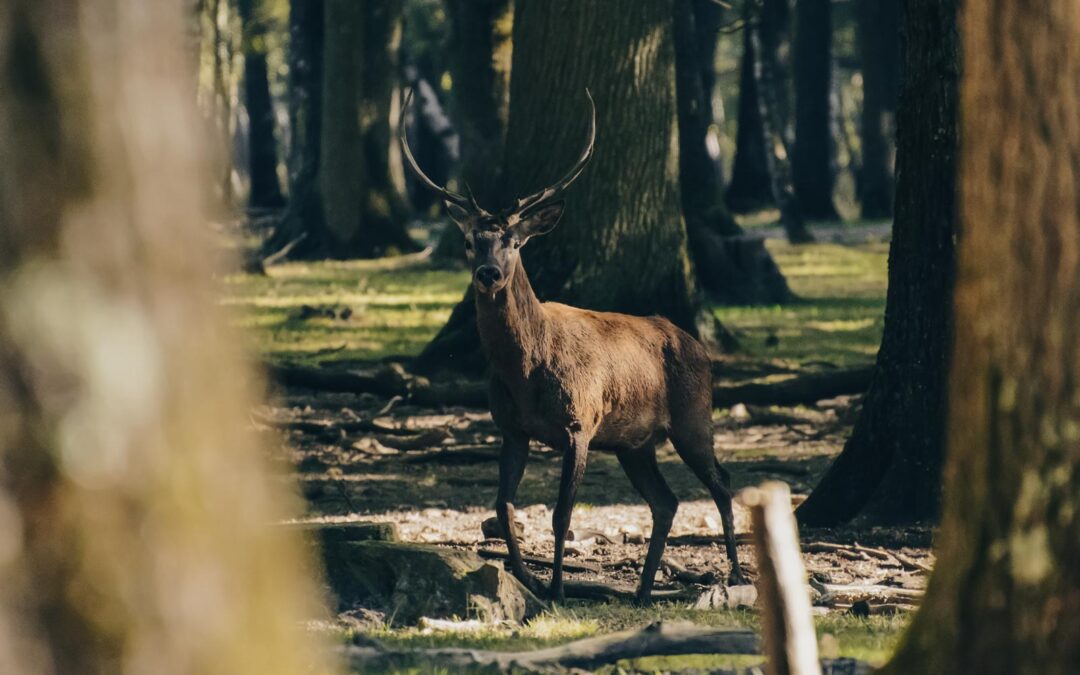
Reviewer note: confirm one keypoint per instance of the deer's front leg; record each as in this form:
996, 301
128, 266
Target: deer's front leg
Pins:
573, 469
512, 458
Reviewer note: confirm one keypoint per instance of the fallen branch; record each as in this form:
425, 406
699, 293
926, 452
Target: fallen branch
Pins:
569, 565
392, 381
800, 389
658, 639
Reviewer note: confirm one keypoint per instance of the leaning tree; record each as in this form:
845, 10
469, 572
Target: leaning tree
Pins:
890, 468
1005, 593
623, 244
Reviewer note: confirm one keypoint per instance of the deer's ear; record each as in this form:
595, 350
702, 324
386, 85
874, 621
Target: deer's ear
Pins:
540, 221
459, 215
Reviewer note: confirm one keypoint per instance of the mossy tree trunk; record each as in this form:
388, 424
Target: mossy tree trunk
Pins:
890, 468
879, 49
265, 191
1005, 593
622, 244
343, 201
813, 163
135, 507
480, 55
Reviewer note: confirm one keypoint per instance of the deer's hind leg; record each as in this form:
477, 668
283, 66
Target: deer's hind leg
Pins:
640, 466
692, 438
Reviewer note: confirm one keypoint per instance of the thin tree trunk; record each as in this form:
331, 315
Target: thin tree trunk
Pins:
1005, 593
879, 49
780, 172
622, 243
345, 203
813, 163
481, 49
731, 267
135, 507
750, 188
890, 469
265, 192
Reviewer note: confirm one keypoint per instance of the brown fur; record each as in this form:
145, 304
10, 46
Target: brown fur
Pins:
574, 379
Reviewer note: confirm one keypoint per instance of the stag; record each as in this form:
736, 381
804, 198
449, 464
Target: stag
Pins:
575, 379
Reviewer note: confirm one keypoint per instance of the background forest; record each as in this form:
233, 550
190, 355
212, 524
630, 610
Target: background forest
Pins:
244, 411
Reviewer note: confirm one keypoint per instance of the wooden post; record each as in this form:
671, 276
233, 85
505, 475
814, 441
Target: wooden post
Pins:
790, 642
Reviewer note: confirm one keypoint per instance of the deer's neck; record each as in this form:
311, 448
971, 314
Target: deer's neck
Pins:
512, 327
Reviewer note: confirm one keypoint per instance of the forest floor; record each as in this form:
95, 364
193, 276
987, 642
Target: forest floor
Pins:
433, 471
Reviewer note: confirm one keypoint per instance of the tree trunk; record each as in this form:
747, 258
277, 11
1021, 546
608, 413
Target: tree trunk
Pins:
731, 267
135, 507
780, 174
890, 468
750, 187
1005, 593
879, 49
480, 53
304, 215
347, 205
622, 243
813, 162
265, 192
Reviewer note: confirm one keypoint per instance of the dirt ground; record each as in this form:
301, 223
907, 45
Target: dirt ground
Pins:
434, 473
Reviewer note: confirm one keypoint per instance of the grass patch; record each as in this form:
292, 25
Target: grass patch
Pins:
870, 640
398, 304
841, 313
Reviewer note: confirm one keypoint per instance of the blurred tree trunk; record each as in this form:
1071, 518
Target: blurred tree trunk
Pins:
265, 190
347, 205
812, 160
622, 243
890, 469
733, 268
1005, 593
134, 507
217, 91
879, 49
480, 54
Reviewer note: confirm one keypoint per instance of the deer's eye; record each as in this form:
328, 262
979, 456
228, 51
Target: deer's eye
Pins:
468, 245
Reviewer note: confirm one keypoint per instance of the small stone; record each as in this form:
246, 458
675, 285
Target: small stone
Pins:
739, 412
492, 529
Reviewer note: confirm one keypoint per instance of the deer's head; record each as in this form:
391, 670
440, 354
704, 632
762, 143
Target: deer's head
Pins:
493, 241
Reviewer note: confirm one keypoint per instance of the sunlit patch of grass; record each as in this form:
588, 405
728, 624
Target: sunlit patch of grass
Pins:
840, 317
397, 305
841, 635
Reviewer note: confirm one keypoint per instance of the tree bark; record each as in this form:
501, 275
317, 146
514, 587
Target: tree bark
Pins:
780, 172
879, 49
622, 243
750, 187
890, 468
134, 504
731, 267
1005, 593
813, 157
343, 200
480, 54
265, 191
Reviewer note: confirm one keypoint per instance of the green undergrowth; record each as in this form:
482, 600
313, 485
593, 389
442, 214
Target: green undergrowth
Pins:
398, 304
867, 639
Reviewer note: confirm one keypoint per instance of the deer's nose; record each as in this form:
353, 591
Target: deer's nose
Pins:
488, 275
